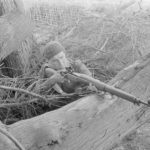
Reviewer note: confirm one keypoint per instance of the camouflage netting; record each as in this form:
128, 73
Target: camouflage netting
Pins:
55, 19
116, 38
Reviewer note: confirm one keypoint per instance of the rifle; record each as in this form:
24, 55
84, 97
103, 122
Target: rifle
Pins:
107, 88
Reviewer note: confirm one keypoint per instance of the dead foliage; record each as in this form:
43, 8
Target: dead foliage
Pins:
105, 43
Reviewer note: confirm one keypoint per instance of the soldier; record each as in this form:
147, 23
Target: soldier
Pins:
56, 62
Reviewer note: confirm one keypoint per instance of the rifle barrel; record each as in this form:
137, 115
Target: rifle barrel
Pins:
107, 88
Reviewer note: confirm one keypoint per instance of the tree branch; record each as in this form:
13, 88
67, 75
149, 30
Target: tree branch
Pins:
13, 139
22, 91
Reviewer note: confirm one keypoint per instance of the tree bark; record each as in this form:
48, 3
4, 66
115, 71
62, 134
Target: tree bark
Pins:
91, 123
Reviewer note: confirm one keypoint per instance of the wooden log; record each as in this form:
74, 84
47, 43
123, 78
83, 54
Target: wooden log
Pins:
93, 122
5, 142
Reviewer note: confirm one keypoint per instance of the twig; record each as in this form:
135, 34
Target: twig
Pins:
25, 78
54, 97
50, 98
139, 3
6, 105
22, 91
100, 50
13, 139
10, 68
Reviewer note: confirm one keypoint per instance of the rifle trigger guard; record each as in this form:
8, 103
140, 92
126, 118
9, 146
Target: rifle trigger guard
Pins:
137, 102
63, 73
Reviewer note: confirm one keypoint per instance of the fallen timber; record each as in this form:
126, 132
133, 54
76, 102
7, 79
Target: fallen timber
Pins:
93, 122
11, 138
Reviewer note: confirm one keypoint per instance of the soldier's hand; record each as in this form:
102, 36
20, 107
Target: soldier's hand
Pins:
42, 70
58, 89
58, 77
50, 82
92, 88
78, 90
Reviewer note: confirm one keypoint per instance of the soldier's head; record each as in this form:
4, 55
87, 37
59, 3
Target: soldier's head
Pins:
54, 52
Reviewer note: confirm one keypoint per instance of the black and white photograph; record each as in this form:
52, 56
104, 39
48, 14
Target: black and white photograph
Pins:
74, 75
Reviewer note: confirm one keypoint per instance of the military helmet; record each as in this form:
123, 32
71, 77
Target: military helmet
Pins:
51, 49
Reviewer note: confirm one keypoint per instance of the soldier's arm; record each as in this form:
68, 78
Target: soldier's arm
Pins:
54, 79
58, 89
42, 71
51, 82
50, 72
81, 68
46, 72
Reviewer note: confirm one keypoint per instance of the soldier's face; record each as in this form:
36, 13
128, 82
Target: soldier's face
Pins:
59, 61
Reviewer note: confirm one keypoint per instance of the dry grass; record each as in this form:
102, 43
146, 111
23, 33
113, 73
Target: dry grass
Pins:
116, 39
105, 43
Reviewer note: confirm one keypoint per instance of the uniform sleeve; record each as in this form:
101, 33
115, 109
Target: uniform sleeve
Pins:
81, 68
50, 83
52, 79
46, 72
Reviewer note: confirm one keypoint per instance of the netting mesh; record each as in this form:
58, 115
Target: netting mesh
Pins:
58, 21
56, 15
51, 20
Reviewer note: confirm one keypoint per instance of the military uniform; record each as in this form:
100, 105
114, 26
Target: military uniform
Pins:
70, 83
54, 54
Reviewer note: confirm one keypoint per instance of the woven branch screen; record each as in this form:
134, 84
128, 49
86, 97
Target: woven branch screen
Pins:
54, 18
56, 15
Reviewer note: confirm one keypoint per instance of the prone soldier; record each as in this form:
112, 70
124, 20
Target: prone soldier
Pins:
57, 62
